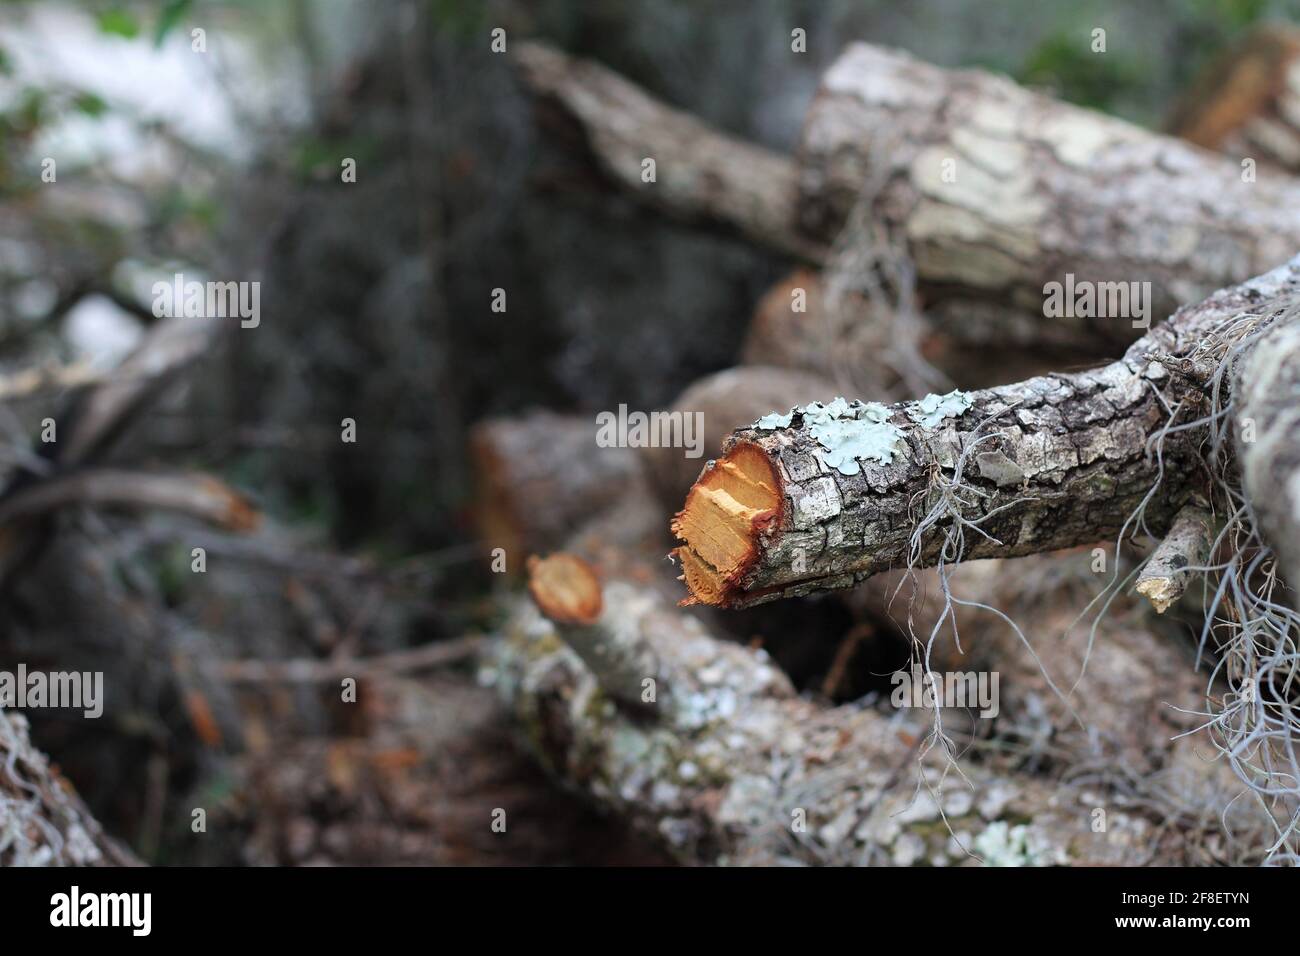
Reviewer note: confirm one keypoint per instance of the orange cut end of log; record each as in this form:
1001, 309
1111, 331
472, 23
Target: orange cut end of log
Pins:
726, 510
565, 588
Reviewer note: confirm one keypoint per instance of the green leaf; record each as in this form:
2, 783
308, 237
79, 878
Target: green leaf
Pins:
90, 104
171, 15
119, 23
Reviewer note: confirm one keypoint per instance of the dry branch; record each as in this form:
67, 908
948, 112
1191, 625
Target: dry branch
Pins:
197, 495
841, 492
1187, 545
702, 176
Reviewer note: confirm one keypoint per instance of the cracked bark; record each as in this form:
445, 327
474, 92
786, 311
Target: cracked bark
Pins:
1068, 464
1038, 189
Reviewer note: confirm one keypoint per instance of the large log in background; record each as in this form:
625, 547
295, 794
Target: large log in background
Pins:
1041, 189
1038, 189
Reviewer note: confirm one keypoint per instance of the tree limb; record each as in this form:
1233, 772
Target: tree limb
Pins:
830, 495
701, 175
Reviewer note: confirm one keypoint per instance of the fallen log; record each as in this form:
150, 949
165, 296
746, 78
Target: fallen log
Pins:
1268, 442
1041, 192
1000, 192
828, 495
724, 763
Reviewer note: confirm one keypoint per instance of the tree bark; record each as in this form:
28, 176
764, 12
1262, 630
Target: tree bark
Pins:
998, 192
729, 765
834, 494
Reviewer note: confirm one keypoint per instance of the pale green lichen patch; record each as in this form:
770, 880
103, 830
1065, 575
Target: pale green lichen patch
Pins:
775, 420
845, 442
849, 431
933, 409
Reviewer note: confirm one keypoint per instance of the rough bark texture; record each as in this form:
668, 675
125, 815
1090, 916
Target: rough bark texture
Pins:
732, 767
999, 191
1247, 104
701, 175
1268, 442
1069, 463
42, 820
540, 476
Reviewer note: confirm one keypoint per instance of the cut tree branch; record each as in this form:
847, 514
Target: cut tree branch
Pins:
829, 495
1187, 545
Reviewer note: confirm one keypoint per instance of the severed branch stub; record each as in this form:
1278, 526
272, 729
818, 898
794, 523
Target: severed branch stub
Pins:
568, 592
1187, 545
828, 495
